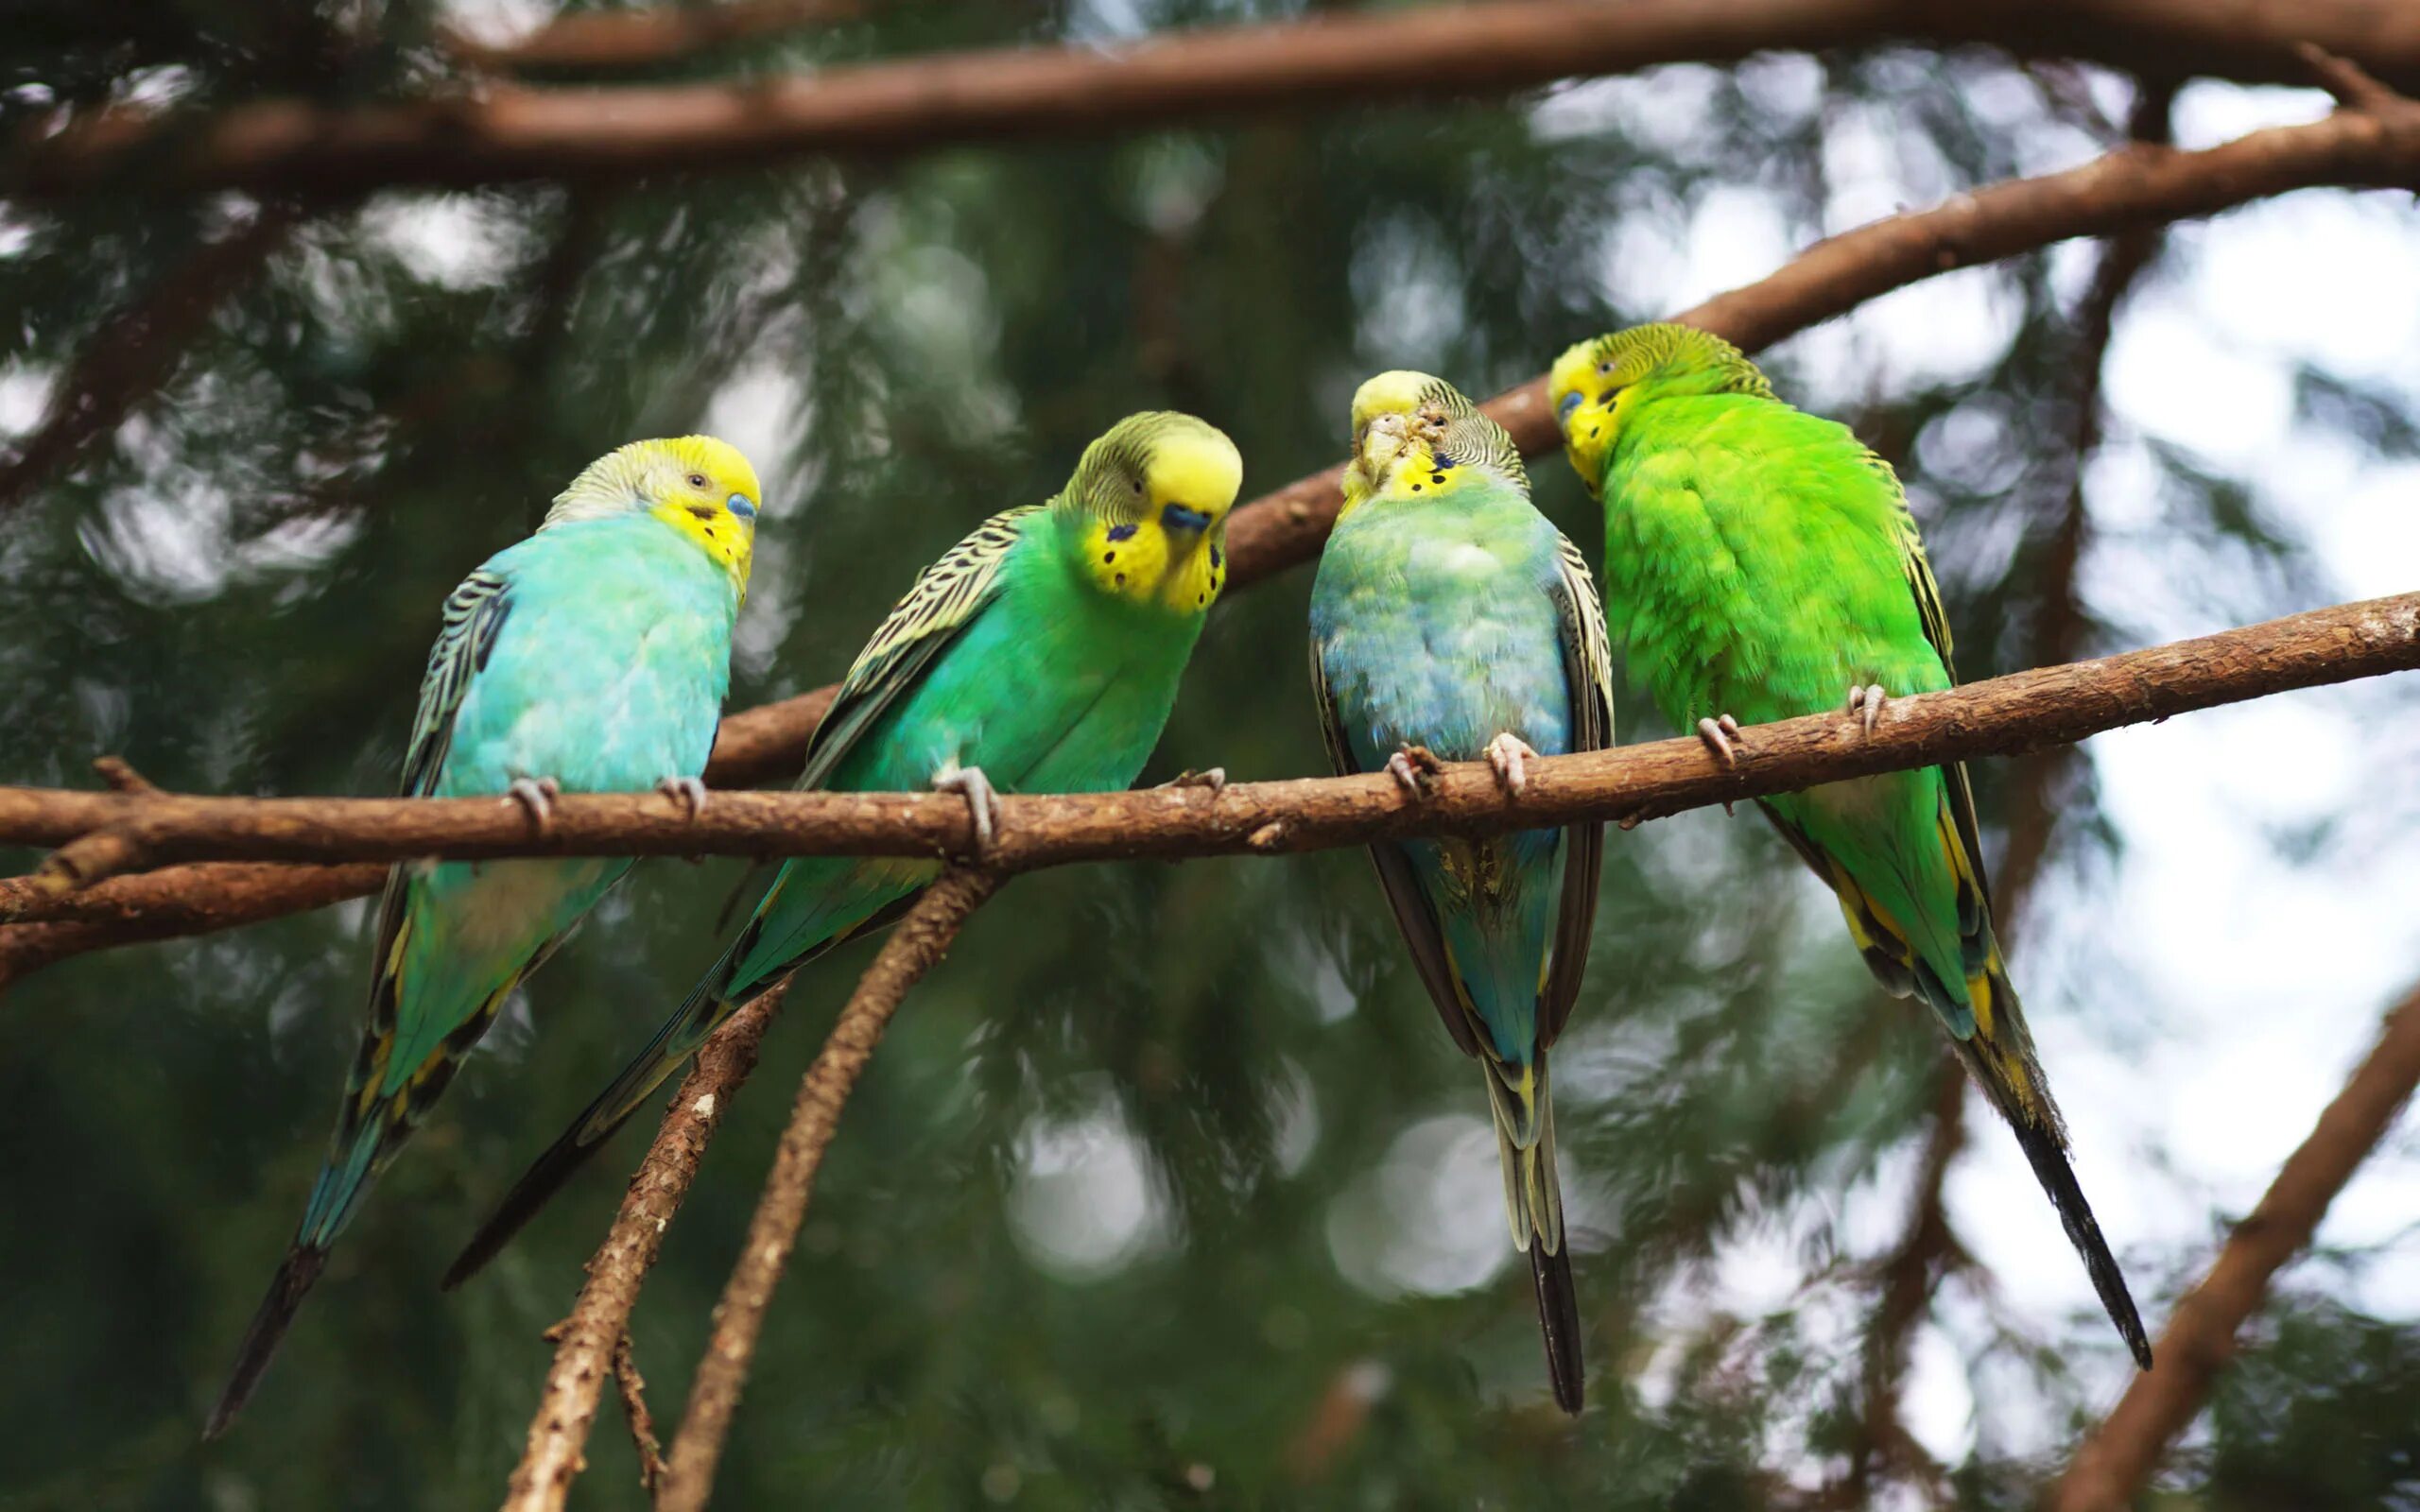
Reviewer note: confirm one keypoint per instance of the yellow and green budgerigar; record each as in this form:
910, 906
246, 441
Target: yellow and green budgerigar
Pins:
591, 658
1038, 655
1450, 620
1765, 566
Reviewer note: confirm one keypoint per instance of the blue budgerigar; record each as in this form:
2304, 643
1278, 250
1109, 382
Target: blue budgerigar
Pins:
1451, 620
591, 657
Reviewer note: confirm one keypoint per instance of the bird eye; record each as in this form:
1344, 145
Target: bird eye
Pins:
1137, 483
1604, 369
697, 480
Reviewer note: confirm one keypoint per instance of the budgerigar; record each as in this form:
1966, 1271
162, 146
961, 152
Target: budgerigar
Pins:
1766, 566
1038, 655
1451, 620
591, 658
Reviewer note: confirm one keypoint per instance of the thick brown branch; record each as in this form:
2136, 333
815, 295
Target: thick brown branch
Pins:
922, 938
137, 351
2002, 715
585, 1342
2137, 186
2200, 1339
647, 38
1082, 90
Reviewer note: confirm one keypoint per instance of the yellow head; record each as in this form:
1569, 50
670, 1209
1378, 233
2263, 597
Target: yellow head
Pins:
700, 487
1596, 385
1414, 436
1147, 510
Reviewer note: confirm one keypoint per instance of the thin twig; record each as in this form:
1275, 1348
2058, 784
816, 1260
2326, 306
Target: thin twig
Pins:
121, 777
921, 940
633, 1390
1998, 715
585, 1341
507, 132
2200, 1340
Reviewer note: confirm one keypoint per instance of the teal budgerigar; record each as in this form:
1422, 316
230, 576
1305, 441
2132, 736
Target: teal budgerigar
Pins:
1038, 655
1450, 620
591, 658
1764, 565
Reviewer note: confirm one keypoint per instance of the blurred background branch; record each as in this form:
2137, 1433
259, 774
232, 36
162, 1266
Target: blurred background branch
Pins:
2117, 1457
1928, 1250
135, 352
503, 132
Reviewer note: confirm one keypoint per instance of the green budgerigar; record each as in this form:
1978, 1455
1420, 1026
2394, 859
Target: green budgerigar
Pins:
591, 658
1450, 620
1765, 566
1040, 655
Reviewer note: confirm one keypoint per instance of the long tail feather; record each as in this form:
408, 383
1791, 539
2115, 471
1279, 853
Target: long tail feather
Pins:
302, 1267
1559, 1320
2034, 1120
1533, 1206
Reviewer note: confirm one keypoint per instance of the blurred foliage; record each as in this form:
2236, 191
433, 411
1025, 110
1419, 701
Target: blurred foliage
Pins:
1165, 1191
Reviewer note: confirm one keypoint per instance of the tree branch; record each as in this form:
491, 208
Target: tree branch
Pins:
649, 38
1082, 90
171, 901
921, 940
2200, 1339
634, 1389
1997, 716
2134, 186
601, 1318
138, 349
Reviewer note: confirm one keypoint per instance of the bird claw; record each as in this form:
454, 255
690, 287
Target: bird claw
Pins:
1865, 703
689, 792
1506, 753
982, 803
1719, 734
536, 797
1215, 779
1411, 767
